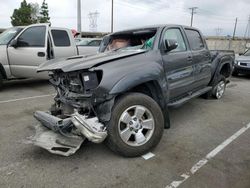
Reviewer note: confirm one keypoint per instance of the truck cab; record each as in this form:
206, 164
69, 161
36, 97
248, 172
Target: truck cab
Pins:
23, 49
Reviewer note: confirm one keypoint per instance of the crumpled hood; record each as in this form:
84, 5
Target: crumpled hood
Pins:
85, 62
243, 58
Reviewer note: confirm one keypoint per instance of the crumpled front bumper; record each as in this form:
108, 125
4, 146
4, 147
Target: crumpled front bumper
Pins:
65, 136
55, 142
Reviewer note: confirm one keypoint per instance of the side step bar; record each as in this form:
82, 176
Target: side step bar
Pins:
186, 99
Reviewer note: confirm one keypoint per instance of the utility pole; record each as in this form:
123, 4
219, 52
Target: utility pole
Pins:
235, 25
247, 32
79, 16
193, 11
112, 16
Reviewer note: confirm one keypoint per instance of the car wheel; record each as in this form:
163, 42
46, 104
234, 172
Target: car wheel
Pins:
219, 89
136, 125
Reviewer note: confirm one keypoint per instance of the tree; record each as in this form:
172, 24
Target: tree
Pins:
23, 15
35, 12
44, 13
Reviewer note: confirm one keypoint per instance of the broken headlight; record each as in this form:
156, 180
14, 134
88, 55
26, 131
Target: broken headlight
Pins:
91, 80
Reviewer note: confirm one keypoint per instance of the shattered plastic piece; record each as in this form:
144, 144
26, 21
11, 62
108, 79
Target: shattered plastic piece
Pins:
55, 142
91, 128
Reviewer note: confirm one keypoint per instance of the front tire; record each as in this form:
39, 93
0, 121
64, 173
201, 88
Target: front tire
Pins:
136, 125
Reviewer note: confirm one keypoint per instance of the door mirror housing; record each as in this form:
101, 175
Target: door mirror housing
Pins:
13, 43
170, 44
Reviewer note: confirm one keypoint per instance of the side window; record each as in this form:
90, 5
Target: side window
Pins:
195, 40
60, 38
94, 43
175, 34
32, 37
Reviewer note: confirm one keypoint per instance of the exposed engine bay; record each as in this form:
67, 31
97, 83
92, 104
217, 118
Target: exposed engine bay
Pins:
72, 118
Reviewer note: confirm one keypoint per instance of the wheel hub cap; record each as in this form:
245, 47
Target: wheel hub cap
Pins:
136, 125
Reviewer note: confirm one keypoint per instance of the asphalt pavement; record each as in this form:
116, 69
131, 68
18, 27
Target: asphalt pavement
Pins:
197, 128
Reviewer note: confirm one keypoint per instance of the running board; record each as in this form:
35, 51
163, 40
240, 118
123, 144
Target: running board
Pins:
186, 99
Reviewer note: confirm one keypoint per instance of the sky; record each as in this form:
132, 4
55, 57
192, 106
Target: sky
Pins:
213, 17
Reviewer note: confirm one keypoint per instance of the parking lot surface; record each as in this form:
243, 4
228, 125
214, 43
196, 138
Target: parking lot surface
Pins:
197, 128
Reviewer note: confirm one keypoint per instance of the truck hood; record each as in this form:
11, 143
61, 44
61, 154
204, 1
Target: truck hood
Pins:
85, 62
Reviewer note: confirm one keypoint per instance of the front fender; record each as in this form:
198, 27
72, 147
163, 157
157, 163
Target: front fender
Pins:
138, 77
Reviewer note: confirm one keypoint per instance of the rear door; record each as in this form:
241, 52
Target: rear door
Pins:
63, 43
201, 58
30, 52
178, 64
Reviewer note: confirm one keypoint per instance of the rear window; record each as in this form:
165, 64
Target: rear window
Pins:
195, 39
60, 37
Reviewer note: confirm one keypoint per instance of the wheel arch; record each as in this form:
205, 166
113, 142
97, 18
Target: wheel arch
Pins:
152, 89
224, 67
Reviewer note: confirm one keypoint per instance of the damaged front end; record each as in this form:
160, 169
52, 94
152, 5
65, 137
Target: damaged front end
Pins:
75, 116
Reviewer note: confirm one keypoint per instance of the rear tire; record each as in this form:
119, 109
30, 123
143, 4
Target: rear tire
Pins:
219, 90
213, 93
136, 125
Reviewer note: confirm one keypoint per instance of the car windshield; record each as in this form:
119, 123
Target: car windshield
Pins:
83, 42
129, 40
247, 53
8, 35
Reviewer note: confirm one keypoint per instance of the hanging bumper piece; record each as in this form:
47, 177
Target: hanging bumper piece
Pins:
65, 136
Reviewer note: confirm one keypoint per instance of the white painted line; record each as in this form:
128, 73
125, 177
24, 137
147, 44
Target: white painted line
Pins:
208, 157
26, 98
148, 156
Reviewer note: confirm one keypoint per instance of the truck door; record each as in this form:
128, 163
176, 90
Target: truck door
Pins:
178, 64
201, 58
29, 51
63, 43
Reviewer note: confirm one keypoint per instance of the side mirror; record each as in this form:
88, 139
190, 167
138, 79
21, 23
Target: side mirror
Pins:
13, 43
170, 45
240, 53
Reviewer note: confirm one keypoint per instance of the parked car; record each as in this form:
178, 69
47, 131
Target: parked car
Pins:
23, 49
122, 94
89, 45
242, 64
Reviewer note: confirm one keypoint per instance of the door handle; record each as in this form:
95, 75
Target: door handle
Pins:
41, 54
189, 58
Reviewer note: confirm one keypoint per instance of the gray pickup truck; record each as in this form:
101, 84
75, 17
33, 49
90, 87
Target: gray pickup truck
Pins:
122, 94
23, 49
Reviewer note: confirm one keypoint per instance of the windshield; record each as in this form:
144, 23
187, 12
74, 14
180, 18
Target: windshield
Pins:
8, 35
247, 53
83, 42
129, 40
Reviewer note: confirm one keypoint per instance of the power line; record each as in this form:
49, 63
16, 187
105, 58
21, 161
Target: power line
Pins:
193, 11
